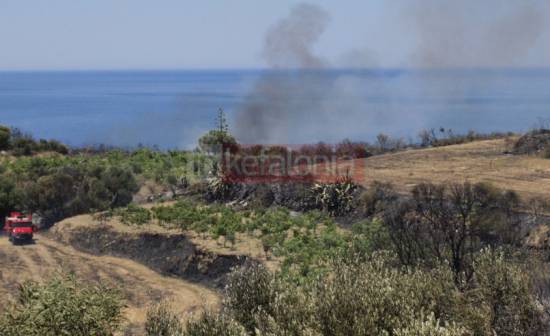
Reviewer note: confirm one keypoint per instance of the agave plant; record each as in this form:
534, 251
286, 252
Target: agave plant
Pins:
335, 198
219, 187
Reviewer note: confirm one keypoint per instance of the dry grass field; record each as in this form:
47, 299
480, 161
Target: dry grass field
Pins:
481, 161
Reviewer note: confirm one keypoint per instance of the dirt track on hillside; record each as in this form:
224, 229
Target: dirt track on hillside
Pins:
140, 285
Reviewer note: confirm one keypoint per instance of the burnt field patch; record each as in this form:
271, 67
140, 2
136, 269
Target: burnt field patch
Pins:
173, 255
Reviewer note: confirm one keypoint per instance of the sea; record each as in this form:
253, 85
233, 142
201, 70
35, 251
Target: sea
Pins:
171, 109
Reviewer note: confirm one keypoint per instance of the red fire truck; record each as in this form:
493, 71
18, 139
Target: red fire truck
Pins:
19, 228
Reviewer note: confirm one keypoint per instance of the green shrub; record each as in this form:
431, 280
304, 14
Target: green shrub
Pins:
373, 298
162, 321
134, 214
121, 184
355, 298
210, 324
504, 288
63, 306
9, 195
59, 192
249, 291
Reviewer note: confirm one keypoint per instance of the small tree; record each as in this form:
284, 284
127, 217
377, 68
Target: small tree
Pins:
214, 140
383, 142
5, 136
427, 137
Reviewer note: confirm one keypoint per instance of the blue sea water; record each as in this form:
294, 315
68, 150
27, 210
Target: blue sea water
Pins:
172, 109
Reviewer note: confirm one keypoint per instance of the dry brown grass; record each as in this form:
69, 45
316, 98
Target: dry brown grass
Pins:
140, 285
481, 161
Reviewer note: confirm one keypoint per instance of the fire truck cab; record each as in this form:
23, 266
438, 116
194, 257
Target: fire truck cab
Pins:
19, 228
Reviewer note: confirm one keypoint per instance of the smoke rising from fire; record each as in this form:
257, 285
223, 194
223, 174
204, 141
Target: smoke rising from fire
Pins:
290, 42
469, 33
312, 101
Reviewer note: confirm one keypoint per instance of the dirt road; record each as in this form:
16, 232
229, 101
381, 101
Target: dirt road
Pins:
140, 285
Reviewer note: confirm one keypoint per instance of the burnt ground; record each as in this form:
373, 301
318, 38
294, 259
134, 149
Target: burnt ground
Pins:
173, 255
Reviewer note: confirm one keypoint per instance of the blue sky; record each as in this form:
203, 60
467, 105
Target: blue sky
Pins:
167, 34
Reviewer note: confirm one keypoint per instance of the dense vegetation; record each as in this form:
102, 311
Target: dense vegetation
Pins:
372, 296
24, 144
62, 306
57, 184
444, 260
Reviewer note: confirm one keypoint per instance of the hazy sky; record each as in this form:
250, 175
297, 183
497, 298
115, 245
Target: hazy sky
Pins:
130, 34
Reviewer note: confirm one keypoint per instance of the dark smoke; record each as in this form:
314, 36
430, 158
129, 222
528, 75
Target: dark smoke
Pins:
311, 101
289, 43
280, 99
304, 100
474, 33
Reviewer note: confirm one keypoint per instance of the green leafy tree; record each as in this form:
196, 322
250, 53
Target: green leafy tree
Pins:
50, 194
214, 140
8, 196
121, 184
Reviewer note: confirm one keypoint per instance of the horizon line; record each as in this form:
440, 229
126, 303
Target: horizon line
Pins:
221, 69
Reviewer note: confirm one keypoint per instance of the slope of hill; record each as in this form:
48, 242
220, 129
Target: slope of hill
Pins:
140, 285
480, 161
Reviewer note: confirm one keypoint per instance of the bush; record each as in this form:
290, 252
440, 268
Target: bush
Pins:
430, 327
249, 291
5, 136
210, 324
56, 193
354, 298
121, 184
373, 298
8, 196
134, 214
161, 321
376, 198
505, 289
335, 198
63, 306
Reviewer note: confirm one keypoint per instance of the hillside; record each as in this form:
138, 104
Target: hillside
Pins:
148, 264
183, 251
139, 284
480, 161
